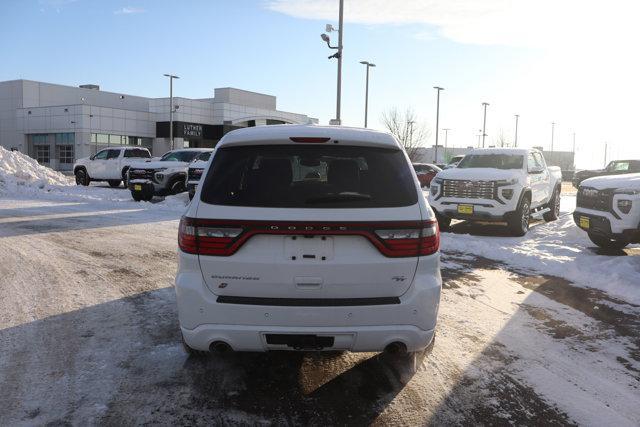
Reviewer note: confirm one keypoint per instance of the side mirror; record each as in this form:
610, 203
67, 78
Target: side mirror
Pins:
92, 157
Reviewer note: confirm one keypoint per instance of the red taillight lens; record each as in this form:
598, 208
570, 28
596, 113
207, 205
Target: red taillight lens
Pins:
204, 239
408, 242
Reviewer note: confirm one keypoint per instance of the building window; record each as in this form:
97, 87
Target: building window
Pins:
65, 138
65, 154
43, 154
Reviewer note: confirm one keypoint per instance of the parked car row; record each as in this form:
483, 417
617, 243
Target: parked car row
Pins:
173, 173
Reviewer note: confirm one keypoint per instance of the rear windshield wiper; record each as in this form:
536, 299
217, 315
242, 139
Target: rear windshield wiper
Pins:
338, 197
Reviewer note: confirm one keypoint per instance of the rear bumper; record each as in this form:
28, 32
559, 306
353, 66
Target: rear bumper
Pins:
355, 338
411, 321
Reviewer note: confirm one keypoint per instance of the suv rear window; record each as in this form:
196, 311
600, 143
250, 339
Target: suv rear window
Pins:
286, 176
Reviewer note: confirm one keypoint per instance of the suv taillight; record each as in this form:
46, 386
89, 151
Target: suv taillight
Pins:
392, 239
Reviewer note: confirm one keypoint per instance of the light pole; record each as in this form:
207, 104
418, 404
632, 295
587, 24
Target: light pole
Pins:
484, 123
171, 77
515, 142
574, 143
366, 92
337, 55
446, 139
553, 127
438, 89
479, 136
605, 154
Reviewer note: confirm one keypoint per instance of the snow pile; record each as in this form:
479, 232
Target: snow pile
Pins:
560, 249
19, 171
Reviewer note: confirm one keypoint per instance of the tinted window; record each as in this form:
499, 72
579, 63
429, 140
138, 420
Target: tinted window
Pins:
180, 156
113, 154
620, 166
204, 156
137, 152
309, 177
101, 155
495, 161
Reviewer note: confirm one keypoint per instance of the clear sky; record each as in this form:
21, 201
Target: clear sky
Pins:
574, 62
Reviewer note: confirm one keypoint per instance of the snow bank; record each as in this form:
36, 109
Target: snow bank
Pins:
560, 249
23, 176
19, 171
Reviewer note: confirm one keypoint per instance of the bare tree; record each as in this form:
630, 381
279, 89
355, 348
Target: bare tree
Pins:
407, 130
501, 140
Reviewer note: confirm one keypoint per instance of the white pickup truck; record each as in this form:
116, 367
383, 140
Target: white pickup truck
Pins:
498, 185
608, 209
110, 164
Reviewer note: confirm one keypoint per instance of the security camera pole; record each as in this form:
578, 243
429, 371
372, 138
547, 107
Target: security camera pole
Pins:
338, 56
438, 88
366, 92
171, 77
484, 123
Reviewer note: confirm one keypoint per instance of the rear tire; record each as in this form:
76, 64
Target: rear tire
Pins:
82, 177
124, 177
554, 205
606, 242
519, 223
114, 183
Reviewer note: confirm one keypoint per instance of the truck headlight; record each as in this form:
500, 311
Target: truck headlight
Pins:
625, 206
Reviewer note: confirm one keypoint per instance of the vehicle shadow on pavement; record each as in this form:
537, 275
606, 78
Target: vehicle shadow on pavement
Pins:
121, 362
485, 229
75, 216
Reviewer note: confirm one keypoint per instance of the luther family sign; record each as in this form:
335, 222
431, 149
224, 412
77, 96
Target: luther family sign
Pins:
194, 130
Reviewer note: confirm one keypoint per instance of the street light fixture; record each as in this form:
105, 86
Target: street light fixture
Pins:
437, 88
171, 110
366, 92
484, 123
338, 55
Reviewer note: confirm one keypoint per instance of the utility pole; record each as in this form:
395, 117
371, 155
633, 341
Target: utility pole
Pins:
553, 126
484, 123
438, 89
446, 140
171, 77
338, 56
366, 92
340, 31
515, 142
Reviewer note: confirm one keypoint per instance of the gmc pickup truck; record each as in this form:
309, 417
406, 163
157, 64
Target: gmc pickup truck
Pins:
616, 167
608, 209
110, 164
162, 177
498, 185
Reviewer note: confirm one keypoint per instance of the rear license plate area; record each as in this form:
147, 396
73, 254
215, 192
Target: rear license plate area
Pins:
300, 342
308, 248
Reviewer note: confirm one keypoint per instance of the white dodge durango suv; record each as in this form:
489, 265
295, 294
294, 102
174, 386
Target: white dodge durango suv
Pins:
308, 238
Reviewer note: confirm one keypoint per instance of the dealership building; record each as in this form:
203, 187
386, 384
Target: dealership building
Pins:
57, 124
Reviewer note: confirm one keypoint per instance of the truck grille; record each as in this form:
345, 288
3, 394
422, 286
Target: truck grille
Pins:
469, 189
141, 174
195, 174
598, 200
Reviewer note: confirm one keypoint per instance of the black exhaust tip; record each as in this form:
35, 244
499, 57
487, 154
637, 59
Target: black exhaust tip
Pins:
220, 347
396, 347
